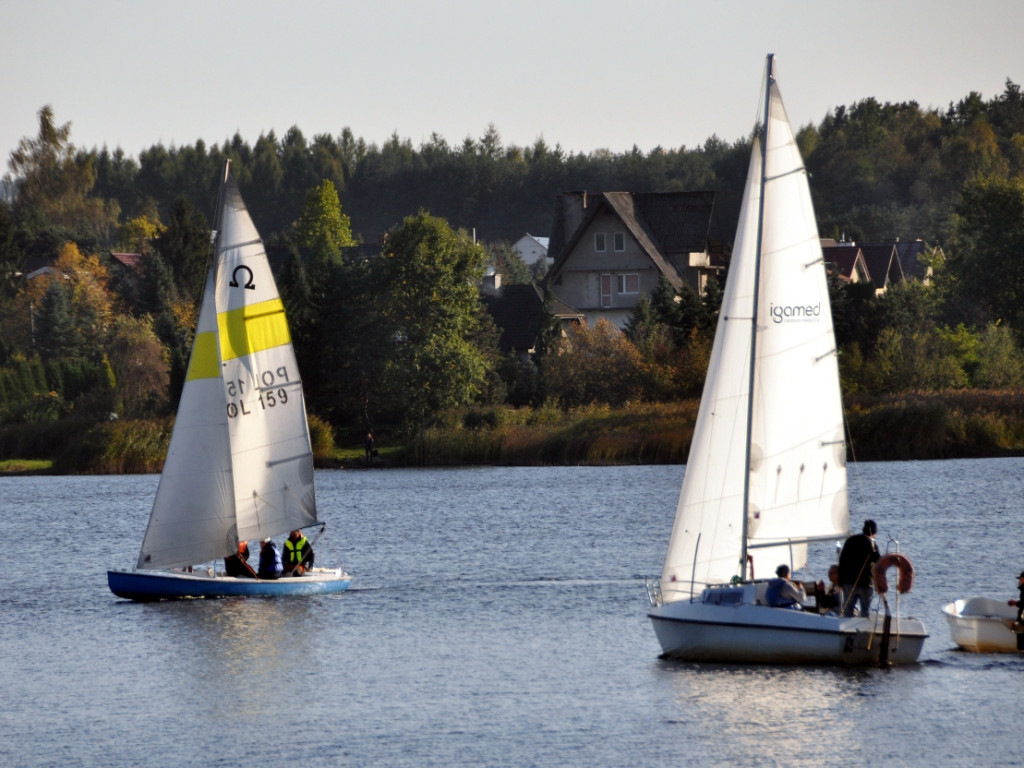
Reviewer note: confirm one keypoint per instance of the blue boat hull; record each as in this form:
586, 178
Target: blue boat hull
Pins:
146, 586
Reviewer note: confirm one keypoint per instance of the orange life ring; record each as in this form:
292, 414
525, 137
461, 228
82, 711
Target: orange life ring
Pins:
902, 563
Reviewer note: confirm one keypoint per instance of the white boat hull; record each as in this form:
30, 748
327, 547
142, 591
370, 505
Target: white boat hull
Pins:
981, 625
758, 634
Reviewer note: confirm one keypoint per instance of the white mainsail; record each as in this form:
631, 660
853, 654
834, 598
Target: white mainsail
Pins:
792, 413
239, 466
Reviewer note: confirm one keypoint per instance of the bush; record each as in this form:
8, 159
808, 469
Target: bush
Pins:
321, 436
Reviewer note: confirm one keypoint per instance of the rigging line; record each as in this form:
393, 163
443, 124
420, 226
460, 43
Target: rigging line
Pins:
827, 354
848, 433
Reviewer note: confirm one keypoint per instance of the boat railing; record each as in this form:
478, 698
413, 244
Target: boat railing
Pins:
653, 591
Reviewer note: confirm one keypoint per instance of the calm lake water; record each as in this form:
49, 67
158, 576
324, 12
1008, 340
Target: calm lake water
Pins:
497, 619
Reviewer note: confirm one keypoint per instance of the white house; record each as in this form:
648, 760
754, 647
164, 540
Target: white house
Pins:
531, 249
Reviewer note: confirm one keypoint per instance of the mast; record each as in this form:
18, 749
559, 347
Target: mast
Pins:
769, 79
218, 215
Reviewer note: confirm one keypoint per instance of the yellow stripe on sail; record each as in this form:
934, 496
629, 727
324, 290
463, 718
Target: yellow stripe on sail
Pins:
204, 363
252, 328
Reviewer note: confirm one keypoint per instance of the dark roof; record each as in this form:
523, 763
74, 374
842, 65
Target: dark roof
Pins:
518, 310
907, 252
844, 258
882, 263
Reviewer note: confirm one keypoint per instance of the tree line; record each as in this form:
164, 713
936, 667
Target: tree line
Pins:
402, 336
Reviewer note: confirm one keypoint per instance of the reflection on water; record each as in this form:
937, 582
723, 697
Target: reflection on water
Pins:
497, 618
248, 655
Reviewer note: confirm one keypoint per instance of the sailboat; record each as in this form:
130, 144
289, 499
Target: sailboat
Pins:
766, 473
239, 466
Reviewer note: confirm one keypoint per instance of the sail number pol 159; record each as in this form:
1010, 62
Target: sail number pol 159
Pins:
271, 393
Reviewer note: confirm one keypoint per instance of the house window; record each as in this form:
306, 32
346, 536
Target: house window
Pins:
619, 241
599, 244
606, 290
628, 283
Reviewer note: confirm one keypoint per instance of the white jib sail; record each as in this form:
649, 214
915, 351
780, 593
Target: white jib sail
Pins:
193, 515
798, 471
239, 466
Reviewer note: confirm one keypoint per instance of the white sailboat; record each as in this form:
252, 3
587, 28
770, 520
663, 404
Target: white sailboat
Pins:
766, 474
239, 466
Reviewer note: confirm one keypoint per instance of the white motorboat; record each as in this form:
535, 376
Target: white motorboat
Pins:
982, 625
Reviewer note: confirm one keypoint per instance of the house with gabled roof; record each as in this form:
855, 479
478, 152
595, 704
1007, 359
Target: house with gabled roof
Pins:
883, 263
845, 261
531, 248
610, 249
887, 261
909, 253
519, 313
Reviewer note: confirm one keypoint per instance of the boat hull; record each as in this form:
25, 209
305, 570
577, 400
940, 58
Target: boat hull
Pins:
147, 586
758, 634
981, 625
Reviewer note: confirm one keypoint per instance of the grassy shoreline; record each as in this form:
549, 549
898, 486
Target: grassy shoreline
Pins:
955, 424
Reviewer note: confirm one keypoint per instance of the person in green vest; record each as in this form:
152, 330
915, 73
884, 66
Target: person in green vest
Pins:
298, 554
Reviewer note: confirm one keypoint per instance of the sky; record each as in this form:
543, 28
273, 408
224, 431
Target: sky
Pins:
585, 75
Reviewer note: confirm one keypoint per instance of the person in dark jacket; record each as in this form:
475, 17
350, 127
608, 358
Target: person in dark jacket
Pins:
1019, 602
270, 561
237, 565
857, 568
298, 554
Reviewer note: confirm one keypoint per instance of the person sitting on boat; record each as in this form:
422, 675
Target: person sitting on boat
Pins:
237, 565
829, 599
857, 568
270, 561
782, 592
298, 554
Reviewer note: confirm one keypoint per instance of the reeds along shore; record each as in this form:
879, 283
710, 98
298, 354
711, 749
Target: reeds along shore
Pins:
955, 424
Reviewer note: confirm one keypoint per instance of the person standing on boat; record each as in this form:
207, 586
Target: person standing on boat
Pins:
1019, 602
270, 561
857, 567
237, 565
298, 554
782, 592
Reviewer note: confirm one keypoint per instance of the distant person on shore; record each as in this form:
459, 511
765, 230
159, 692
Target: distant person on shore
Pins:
1019, 602
270, 561
298, 554
857, 568
237, 565
782, 592
369, 445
